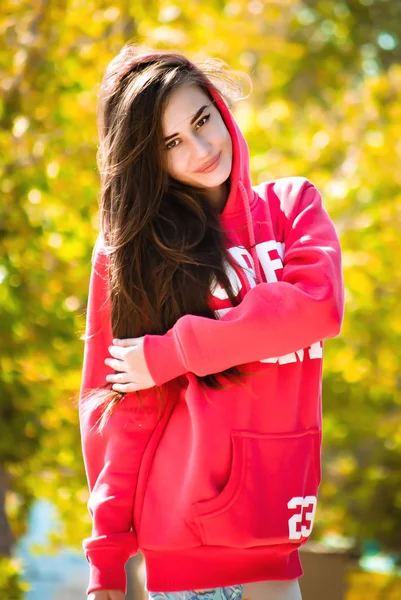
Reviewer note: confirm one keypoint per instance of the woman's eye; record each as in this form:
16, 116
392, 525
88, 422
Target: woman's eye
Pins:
203, 118
169, 146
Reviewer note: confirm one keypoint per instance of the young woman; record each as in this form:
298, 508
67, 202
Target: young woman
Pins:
209, 300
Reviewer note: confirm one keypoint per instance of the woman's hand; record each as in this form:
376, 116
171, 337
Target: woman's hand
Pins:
129, 359
107, 595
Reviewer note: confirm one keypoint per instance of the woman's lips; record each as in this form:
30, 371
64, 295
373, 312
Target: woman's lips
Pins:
212, 166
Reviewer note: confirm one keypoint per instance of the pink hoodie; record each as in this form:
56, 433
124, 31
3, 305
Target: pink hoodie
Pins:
222, 488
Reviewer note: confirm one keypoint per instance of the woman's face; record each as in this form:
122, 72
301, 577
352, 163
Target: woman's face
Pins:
190, 145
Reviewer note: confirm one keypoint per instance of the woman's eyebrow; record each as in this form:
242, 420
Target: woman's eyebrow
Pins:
196, 115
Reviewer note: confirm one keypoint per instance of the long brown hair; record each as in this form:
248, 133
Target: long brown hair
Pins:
163, 239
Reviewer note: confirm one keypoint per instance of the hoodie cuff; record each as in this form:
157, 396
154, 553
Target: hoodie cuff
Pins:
106, 570
164, 357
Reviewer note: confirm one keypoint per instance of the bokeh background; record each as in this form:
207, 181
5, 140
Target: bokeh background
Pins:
326, 104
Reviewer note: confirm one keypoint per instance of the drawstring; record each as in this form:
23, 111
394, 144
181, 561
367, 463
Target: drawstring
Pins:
251, 235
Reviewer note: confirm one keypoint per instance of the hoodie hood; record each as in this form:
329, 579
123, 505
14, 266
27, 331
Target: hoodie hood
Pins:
242, 198
240, 169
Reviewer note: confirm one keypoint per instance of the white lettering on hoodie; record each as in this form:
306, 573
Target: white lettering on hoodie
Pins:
269, 265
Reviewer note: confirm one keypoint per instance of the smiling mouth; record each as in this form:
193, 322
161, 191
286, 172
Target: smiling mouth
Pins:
211, 165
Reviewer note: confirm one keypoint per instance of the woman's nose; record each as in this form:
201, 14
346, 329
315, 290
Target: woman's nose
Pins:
201, 148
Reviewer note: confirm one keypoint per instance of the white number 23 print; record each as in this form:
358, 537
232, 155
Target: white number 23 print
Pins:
301, 523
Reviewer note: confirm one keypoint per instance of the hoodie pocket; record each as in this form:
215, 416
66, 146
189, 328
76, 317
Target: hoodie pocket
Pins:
270, 495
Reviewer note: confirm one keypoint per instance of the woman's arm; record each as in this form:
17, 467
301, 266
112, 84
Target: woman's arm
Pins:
112, 464
112, 458
273, 319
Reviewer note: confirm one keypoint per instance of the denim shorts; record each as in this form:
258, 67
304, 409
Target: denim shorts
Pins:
261, 590
231, 592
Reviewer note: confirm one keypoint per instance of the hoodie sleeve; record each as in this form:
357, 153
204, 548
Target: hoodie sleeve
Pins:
111, 458
273, 319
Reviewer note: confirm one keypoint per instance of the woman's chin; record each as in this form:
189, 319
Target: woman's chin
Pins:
213, 180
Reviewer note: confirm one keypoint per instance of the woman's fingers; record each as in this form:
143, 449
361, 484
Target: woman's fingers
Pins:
114, 363
119, 378
125, 341
127, 387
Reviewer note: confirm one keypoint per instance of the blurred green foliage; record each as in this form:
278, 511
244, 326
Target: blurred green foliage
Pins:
325, 104
11, 586
375, 586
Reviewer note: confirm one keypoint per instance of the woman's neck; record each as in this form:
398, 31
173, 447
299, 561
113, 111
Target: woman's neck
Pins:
218, 196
